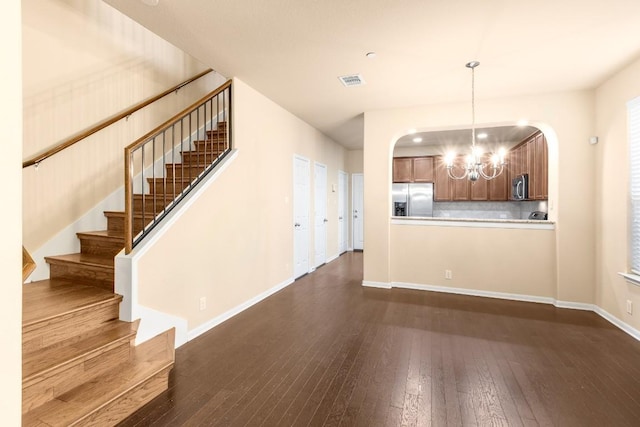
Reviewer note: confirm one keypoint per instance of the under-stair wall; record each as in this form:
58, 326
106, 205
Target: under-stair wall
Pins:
234, 245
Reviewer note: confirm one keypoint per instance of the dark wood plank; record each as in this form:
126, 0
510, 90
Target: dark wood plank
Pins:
326, 351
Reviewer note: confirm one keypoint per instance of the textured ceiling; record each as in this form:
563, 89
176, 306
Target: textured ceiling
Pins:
292, 51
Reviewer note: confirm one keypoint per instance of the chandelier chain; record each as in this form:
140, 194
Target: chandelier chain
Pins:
473, 107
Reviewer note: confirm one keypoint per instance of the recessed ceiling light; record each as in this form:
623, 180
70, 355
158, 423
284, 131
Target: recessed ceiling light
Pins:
371, 55
522, 122
150, 2
417, 139
412, 131
482, 135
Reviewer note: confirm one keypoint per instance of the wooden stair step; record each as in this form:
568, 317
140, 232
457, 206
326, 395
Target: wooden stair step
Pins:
182, 171
169, 187
54, 370
103, 242
57, 309
111, 397
115, 221
217, 133
192, 158
152, 203
86, 269
208, 145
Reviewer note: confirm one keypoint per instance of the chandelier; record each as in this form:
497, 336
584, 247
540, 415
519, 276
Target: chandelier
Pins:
476, 164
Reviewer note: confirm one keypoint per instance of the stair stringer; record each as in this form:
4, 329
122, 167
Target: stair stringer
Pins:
126, 268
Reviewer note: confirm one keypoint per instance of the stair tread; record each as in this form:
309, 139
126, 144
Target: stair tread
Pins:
91, 396
107, 234
176, 179
80, 258
38, 365
120, 214
46, 299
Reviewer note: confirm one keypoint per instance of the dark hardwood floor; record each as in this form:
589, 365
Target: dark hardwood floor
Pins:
327, 352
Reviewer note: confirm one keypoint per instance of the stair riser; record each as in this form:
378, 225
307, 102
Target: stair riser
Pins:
116, 224
101, 246
194, 158
183, 172
168, 187
220, 133
208, 149
100, 277
53, 331
127, 404
149, 205
57, 383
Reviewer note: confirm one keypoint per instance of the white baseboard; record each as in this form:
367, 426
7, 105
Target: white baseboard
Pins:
153, 322
635, 333
199, 330
332, 258
619, 323
575, 305
473, 292
380, 285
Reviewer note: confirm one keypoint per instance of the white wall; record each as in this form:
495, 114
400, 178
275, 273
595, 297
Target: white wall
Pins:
612, 194
236, 241
10, 249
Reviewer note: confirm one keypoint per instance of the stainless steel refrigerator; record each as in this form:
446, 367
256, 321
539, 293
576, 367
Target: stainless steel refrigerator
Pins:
412, 199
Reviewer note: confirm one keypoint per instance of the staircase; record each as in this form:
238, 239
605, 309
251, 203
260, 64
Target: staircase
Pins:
80, 365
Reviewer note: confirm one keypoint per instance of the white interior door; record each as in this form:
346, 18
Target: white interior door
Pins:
357, 202
342, 212
320, 209
301, 201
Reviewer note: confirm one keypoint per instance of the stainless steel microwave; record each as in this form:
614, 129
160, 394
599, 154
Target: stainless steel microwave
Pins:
520, 187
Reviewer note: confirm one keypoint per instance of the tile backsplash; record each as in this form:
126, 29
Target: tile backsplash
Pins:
488, 210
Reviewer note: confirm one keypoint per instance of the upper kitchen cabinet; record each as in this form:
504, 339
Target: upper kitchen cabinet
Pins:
531, 157
413, 169
423, 169
402, 169
442, 185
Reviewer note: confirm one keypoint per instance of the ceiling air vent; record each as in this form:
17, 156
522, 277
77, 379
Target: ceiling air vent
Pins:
352, 80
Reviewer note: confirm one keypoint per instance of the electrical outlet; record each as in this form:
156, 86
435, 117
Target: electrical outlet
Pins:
448, 275
203, 303
629, 306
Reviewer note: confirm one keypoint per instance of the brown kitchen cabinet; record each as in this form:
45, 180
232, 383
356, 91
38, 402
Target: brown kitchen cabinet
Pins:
479, 190
538, 191
402, 169
531, 157
442, 182
423, 169
498, 188
413, 169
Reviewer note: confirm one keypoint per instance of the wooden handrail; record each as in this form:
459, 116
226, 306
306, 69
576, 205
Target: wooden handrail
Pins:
28, 265
108, 122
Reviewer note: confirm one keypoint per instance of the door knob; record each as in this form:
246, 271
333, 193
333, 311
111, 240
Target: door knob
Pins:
296, 225
355, 216
326, 220
339, 217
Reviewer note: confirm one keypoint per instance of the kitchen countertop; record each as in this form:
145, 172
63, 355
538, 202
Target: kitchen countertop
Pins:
474, 222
